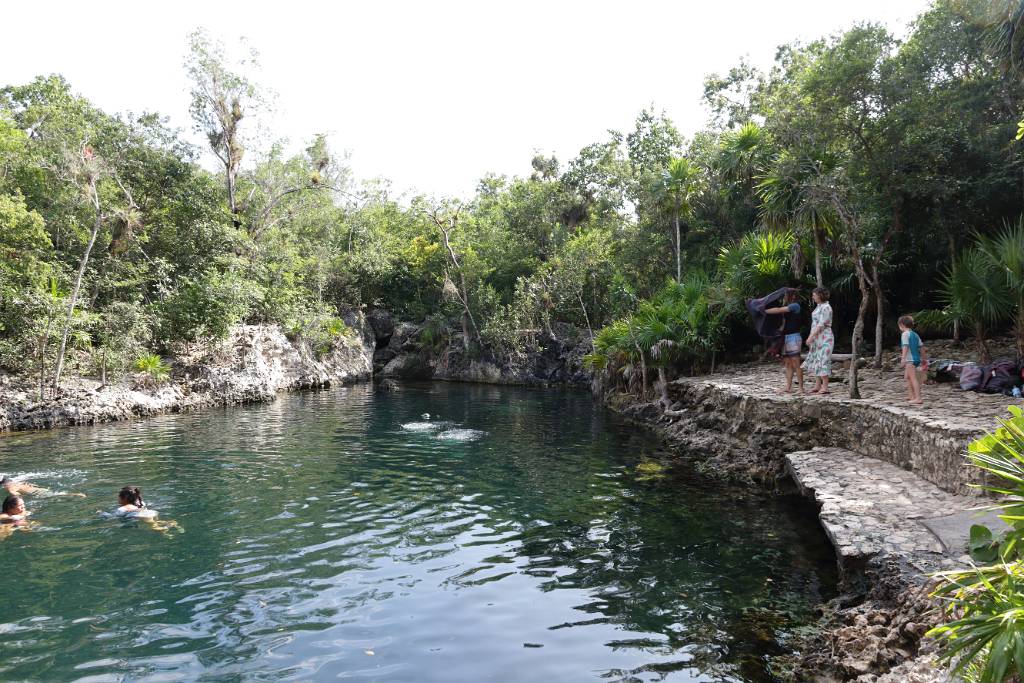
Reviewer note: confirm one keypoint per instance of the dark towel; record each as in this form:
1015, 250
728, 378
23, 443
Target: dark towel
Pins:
768, 326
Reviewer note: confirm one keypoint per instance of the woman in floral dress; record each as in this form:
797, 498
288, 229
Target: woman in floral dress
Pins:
820, 342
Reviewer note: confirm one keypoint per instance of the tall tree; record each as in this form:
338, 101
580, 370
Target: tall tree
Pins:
221, 98
679, 185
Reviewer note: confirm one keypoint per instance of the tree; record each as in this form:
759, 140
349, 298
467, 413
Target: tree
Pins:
680, 185
447, 221
221, 98
86, 170
788, 200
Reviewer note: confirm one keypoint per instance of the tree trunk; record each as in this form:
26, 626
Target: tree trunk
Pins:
643, 373
952, 261
679, 247
879, 316
463, 293
587, 319
819, 246
236, 219
78, 285
983, 350
858, 329
663, 380
41, 355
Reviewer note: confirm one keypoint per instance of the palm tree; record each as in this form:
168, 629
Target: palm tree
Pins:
1004, 28
742, 154
788, 199
757, 263
974, 296
1005, 256
657, 329
679, 185
680, 324
618, 355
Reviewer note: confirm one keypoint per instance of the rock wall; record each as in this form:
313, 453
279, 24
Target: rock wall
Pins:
748, 436
254, 364
550, 358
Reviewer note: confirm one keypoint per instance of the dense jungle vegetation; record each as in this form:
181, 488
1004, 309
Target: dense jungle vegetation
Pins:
872, 165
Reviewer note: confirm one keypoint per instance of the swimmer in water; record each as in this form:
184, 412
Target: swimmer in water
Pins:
131, 506
130, 501
14, 511
18, 488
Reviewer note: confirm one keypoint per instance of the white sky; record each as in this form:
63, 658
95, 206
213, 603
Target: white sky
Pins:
431, 95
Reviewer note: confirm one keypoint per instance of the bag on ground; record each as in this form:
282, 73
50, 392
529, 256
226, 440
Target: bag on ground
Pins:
972, 377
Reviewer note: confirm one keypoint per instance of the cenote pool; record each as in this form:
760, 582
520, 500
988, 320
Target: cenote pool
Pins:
340, 535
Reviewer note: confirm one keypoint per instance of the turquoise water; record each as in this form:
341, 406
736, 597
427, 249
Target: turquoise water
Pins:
339, 535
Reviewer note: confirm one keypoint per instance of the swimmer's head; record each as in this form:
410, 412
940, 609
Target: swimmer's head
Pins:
13, 505
6, 481
131, 495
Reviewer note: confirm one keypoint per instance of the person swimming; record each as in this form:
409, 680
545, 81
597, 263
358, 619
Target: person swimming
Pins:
131, 506
14, 511
18, 488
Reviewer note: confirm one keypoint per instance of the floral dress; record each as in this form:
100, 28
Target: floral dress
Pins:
819, 358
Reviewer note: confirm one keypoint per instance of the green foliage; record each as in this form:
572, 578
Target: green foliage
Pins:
203, 308
123, 332
24, 244
154, 367
434, 333
913, 136
321, 331
985, 288
984, 607
683, 326
759, 263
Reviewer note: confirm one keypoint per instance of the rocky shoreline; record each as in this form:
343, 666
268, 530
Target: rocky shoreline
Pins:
253, 365
552, 357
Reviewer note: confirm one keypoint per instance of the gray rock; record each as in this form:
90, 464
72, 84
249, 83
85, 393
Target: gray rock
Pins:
254, 364
382, 324
407, 366
388, 385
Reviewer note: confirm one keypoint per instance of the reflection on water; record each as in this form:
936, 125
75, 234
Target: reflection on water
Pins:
334, 535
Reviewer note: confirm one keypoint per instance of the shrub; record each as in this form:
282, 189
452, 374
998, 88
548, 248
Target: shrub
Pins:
318, 330
153, 366
984, 606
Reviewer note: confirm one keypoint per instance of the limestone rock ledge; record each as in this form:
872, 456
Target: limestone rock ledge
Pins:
253, 365
757, 428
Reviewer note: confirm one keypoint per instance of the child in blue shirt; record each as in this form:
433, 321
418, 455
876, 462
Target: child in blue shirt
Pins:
914, 359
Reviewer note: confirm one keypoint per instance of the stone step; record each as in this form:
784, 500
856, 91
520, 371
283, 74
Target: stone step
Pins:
870, 507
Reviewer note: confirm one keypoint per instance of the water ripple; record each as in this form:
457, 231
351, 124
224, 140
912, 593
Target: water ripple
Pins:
343, 535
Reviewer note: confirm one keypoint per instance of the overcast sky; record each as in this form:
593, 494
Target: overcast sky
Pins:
431, 95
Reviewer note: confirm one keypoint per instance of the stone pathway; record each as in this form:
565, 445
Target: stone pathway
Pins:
945, 405
870, 507
928, 440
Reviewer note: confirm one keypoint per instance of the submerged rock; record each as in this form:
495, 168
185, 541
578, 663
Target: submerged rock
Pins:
388, 385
